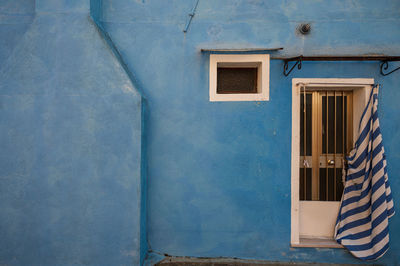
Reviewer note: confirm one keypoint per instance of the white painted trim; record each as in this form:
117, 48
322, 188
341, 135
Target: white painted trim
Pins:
333, 82
295, 178
263, 74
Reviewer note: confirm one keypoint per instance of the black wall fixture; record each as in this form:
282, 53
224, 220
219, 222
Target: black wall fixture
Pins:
304, 28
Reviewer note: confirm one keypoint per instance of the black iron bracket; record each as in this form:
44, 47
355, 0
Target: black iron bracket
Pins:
300, 59
385, 66
286, 65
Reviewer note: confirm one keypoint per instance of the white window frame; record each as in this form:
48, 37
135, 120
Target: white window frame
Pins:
327, 211
260, 60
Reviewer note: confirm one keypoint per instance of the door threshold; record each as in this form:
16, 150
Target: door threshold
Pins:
306, 242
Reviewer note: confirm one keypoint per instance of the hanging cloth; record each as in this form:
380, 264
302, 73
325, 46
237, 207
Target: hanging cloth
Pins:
366, 205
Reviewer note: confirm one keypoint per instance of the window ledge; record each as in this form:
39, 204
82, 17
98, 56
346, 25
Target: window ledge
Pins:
317, 243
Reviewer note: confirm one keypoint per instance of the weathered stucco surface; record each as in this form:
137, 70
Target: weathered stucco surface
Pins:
219, 173
70, 141
71, 121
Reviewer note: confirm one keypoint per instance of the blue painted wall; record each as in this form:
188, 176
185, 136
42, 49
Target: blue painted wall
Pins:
219, 173
72, 127
15, 18
70, 141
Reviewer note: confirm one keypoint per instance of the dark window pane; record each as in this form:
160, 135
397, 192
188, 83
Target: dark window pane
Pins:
322, 184
237, 80
308, 116
309, 185
331, 124
334, 186
331, 184
309, 124
305, 188
302, 190
339, 184
339, 124
328, 126
323, 124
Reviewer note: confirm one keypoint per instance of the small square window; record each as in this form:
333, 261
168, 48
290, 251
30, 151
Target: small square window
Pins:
239, 77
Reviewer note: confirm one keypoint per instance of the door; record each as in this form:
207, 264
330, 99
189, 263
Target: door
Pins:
326, 120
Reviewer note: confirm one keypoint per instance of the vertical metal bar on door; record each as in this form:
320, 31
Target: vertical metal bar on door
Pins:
344, 143
315, 124
327, 146
334, 151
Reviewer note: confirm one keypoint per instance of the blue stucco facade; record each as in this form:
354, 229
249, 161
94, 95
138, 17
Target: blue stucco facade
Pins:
71, 141
111, 149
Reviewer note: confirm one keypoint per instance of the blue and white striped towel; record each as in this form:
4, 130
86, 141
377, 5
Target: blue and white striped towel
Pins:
362, 223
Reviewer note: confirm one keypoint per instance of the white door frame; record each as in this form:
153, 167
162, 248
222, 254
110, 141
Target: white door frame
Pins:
361, 88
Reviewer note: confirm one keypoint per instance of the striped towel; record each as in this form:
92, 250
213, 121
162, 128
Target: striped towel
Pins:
362, 223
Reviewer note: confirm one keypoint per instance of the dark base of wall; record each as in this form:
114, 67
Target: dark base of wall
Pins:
188, 261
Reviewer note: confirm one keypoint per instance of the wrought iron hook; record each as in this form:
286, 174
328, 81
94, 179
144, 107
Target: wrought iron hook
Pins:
385, 66
286, 66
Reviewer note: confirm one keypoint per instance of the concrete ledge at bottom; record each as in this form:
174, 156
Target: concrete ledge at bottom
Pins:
189, 261
317, 243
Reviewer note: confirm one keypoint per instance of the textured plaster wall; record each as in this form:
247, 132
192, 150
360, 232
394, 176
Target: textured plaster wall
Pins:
15, 18
71, 127
219, 173
70, 141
